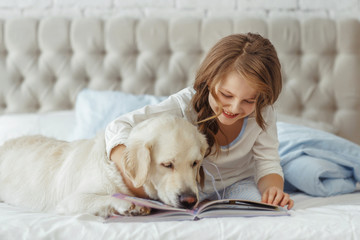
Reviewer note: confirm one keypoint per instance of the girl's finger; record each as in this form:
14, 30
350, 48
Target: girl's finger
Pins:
265, 196
272, 195
290, 204
285, 200
278, 198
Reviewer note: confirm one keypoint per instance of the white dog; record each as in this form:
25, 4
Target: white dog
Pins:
163, 156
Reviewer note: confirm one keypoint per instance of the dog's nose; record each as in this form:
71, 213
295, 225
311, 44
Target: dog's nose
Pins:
187, 200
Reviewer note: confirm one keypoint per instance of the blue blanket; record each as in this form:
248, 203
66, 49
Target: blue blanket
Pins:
316, 162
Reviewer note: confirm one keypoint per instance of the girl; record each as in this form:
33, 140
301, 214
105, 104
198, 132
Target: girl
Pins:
231, 102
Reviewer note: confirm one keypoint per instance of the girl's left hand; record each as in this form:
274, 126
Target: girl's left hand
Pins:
275, 196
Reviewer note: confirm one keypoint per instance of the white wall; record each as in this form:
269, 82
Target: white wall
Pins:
170, 8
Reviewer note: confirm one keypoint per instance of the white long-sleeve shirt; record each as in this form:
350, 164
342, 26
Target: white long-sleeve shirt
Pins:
253, 153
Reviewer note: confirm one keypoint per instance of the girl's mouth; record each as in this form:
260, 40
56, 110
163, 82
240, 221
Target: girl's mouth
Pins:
229, 115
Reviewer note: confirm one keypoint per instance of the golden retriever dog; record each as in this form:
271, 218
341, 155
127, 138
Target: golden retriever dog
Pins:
163, 155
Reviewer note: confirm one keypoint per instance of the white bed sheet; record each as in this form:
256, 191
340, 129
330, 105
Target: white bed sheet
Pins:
336, 217
320, 220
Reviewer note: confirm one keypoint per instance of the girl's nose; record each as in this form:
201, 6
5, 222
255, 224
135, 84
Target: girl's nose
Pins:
236, 106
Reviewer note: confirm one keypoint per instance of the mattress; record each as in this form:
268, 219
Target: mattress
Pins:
312, 218
335, 217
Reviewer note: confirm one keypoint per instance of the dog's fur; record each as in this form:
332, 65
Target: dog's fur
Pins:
163, 155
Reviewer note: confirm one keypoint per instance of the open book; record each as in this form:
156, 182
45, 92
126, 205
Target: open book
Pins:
206, 209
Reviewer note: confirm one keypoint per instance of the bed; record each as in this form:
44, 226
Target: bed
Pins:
67, 78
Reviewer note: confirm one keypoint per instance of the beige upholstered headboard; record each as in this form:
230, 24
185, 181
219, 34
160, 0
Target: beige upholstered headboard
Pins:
45, 62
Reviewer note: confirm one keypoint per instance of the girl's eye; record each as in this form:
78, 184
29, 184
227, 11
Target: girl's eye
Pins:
249, 102
168, 165
225, 95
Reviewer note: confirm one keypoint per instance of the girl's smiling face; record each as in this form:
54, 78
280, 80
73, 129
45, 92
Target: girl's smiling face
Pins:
237, 99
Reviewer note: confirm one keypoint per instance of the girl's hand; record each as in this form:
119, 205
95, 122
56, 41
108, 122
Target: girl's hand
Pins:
275, 196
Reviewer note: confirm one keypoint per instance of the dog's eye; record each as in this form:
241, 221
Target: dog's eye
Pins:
168, 165
195, 164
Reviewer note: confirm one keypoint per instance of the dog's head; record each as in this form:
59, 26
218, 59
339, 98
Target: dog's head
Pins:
164, 154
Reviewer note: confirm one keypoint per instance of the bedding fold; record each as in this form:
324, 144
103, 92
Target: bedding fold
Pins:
316, 162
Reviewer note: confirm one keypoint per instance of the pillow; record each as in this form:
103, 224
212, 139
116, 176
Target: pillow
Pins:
58, 124
96, 109
307, 123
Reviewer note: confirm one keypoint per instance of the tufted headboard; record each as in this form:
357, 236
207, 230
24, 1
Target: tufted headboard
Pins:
45, 62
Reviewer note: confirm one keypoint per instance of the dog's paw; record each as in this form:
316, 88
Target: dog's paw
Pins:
122, 207
135, 210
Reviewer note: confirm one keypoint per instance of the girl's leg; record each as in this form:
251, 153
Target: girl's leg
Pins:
245, 189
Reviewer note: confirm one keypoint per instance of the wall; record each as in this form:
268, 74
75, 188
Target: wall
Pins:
181, 8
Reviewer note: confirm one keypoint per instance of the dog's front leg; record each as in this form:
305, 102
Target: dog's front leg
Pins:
100, 205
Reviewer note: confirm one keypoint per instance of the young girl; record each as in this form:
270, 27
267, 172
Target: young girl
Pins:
231, 102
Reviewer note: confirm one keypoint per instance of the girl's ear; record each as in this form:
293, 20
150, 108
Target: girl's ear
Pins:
136, 164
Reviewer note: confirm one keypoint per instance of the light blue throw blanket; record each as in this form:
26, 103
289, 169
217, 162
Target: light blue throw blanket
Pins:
316, 162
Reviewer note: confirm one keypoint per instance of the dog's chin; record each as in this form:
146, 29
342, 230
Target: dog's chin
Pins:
168, 200
176, 205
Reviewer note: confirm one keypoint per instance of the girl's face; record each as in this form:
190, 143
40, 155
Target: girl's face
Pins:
236, 96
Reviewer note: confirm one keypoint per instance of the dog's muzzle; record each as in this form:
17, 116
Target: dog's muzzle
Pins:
187, 200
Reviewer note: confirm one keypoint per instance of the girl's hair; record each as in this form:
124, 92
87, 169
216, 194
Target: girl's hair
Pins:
255, 59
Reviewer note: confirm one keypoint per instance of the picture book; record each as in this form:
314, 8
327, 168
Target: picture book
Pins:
206, 209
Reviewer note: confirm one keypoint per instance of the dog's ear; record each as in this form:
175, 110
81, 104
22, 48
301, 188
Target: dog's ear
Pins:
136, 164
200, 178
204, 149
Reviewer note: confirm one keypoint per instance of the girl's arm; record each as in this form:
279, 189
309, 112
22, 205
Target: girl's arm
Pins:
117, 153
117, 132
269, 174
271, 187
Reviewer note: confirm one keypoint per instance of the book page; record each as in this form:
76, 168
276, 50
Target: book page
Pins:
216, 208
154, 216
148, 203
238, 208
235, 204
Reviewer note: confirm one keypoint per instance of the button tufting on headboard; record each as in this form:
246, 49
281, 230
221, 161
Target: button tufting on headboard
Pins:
44, 63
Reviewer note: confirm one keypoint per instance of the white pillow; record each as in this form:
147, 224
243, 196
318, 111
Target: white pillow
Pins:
96, 109
59, 124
